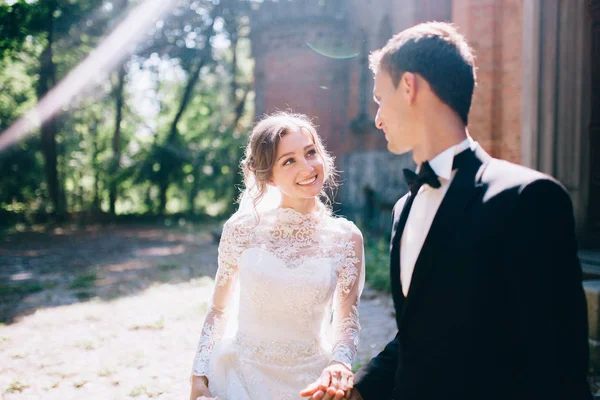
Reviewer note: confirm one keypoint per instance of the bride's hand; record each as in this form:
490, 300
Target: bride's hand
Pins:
200, 389
336, 382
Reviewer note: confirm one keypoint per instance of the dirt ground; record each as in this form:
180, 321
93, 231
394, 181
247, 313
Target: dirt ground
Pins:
114, 312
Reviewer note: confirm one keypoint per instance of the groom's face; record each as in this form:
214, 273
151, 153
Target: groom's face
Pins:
394, 115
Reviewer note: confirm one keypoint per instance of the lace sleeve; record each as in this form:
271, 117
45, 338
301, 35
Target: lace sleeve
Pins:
351, 277
230, 247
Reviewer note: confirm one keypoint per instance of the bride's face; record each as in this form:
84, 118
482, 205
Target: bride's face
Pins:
298, 170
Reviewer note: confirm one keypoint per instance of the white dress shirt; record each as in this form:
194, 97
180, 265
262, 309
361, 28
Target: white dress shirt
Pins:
424, 209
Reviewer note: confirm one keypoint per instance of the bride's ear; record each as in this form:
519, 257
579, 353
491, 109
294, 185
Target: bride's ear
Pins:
271, 182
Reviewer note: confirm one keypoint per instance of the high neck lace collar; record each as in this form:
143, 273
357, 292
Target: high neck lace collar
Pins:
285, 214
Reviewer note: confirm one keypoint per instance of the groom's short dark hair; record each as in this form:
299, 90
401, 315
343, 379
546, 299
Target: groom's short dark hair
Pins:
437, 52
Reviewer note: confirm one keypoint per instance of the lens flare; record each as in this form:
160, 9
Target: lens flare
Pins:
335, 48
102, 60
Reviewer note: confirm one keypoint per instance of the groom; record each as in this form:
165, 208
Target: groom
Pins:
485, 275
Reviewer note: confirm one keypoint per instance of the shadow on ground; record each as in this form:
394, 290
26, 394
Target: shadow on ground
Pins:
40, 269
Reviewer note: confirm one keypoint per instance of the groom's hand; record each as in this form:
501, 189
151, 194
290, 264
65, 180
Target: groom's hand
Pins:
200, 389
336, 382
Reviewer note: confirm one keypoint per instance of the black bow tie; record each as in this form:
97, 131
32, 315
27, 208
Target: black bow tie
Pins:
426, 175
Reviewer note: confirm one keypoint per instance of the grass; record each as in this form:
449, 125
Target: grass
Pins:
157, 325
138, 360
105, 372
19, 289
168, 266
89, 344
80, 384
83, 295
84, 280
137, 391
143, 390
165, 270
16, 386
377, 253
49, 285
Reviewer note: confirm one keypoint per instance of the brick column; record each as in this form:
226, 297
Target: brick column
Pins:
494, 30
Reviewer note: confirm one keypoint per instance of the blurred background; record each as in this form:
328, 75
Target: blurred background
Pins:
157, 99
122, 124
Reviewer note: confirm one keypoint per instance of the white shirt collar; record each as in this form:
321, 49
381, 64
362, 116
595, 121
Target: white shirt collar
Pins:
442, 163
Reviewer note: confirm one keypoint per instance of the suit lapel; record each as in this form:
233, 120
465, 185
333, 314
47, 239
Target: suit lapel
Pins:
399, 221
458, 199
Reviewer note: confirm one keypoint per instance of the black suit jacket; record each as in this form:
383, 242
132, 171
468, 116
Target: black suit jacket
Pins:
496, 308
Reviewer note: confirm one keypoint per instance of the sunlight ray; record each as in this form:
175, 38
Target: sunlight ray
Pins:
105, 58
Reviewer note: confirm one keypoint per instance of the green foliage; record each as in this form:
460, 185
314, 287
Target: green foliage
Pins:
174, 154
377, 263
84, 280
19, 289
25, 18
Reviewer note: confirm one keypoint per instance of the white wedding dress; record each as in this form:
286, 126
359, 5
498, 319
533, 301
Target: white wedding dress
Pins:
285, 304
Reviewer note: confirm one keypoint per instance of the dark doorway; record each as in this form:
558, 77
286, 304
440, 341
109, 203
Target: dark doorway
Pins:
593, 214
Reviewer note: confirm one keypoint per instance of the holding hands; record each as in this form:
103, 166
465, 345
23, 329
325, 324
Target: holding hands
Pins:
336, 382
200, 389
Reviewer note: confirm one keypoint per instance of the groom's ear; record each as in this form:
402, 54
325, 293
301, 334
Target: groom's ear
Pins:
408, 86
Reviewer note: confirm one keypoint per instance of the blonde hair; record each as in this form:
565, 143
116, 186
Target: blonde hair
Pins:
261, 152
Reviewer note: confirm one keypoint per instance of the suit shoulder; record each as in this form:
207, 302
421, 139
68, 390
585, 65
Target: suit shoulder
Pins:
507, 175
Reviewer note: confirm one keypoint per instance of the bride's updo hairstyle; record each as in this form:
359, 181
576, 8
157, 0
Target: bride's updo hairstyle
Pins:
261, 152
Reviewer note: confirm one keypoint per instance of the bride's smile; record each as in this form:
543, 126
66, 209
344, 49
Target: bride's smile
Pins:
308, 181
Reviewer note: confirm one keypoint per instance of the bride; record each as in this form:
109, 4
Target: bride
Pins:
283, 323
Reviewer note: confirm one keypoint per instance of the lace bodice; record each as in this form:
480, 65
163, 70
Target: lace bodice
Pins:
298, 276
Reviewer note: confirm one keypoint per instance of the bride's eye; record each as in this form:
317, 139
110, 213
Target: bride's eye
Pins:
312, 152
288, 161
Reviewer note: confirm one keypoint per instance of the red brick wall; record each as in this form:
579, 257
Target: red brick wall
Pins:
288, 74
494, 30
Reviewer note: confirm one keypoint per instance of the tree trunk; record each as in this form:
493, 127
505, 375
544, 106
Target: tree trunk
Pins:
46, 81
95, 166
116, 142
148, 201
163, 187
238, 112
234, 69
204, 56
187, 95
195, 189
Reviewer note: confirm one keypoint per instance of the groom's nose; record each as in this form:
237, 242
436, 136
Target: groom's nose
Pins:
378, 121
